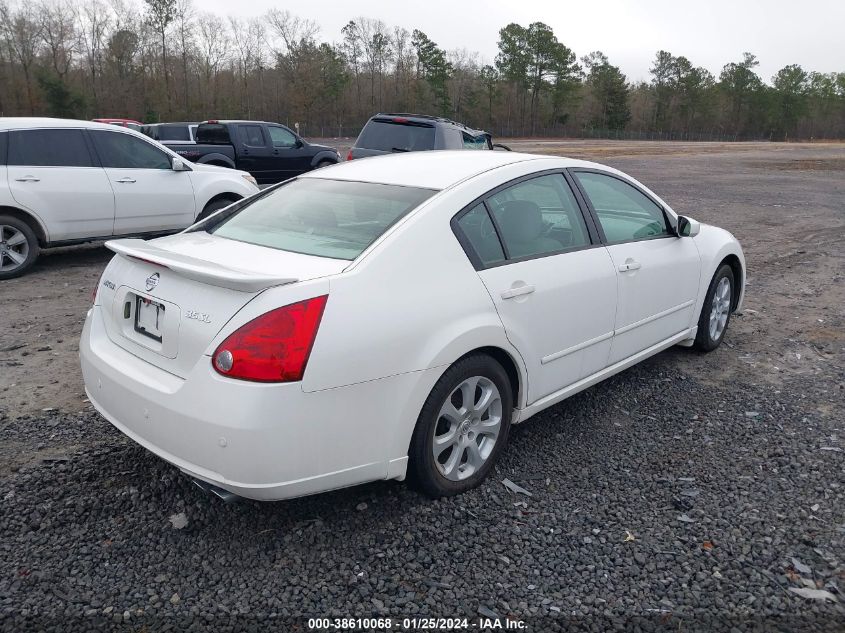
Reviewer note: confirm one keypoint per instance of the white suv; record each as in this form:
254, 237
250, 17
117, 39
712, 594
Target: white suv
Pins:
64, 182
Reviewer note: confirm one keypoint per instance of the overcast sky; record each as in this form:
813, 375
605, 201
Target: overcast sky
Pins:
710, 33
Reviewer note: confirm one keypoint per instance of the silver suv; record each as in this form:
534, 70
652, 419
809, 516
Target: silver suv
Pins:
400, 132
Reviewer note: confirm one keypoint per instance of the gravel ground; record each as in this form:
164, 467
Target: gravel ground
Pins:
692, 492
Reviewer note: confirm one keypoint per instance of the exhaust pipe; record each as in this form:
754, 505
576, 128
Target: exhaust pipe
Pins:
225, 495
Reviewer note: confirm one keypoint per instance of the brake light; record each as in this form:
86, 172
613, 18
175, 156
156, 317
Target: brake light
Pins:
273, 347
399, 119
349, 156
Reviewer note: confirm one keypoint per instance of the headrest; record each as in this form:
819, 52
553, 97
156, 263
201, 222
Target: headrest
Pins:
521, 220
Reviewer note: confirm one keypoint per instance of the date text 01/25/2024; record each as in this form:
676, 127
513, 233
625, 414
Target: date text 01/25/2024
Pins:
415, 624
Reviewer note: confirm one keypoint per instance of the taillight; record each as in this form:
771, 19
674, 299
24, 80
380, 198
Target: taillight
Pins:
349, 155
273, 347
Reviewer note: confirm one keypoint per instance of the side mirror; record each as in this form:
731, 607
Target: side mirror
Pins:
501, 146
687, 227
299, 143
177, 164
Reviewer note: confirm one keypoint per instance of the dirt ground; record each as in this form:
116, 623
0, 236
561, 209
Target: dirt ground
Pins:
785, 203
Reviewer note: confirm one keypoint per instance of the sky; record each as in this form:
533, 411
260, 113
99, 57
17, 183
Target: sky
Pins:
709, 33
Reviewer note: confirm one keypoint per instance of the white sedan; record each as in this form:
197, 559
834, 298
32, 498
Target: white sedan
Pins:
392, 317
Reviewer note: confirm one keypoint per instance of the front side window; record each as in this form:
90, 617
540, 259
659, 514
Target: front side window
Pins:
479, 231
281, 137
475, 142
126, 151
539, 216
49, 148
326, 218
624, 212
252, 135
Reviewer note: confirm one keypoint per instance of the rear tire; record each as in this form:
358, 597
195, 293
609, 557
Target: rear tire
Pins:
214, 206
18, 247
716, 311
462, 428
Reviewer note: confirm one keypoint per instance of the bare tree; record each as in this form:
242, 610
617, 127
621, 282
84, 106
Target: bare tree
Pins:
185, 18
213, 42
58, 27
94, 22
23, 37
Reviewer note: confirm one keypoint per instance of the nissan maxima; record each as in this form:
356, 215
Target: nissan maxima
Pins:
391, 318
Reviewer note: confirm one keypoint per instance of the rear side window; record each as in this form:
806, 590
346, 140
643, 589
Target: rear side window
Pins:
125, 151
213, 134
392, 136
172, 133
3, 142
478, 229
539, 216
49, 148
326, 218
252, 135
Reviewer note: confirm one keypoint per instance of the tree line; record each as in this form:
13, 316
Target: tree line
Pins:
166, 60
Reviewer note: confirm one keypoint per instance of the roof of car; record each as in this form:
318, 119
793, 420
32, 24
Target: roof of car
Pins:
426, 118
12, 123
436, 169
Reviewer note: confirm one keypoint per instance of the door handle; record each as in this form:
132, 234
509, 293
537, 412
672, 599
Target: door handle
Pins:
125, 180
510, 293
629, 264
28, 179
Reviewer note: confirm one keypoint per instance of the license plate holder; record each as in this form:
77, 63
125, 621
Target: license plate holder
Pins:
149, 318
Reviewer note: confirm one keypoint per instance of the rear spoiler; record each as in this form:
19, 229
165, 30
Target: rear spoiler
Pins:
197, 269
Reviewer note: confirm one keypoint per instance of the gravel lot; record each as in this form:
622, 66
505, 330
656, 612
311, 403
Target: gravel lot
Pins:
692, 492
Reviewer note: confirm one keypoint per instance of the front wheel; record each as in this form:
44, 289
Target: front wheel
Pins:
18, 247
324, 163
462, 428
716, 311
214, 207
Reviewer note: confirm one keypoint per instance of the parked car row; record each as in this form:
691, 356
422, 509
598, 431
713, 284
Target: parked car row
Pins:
73, 181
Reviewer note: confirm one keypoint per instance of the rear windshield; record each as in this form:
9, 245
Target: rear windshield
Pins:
391, 136
316, 216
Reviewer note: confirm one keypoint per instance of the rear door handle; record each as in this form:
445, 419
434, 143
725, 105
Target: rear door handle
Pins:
28, 179
510, 293
127, 179
630, 264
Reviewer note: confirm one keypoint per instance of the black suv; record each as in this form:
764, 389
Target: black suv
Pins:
399, 132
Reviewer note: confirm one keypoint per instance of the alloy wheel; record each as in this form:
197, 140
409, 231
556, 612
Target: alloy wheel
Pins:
720, 308
14, 248
467, 428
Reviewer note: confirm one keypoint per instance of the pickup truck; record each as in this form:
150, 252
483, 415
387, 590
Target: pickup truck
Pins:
270, 152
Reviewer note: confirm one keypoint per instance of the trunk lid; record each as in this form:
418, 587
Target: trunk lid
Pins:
165, 300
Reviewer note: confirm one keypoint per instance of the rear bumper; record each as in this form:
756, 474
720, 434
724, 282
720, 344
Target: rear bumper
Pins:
256, 440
